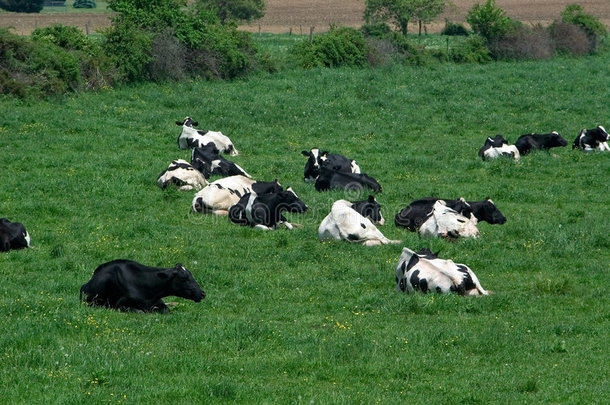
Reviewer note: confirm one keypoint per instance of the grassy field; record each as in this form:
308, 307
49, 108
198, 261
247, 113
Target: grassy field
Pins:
288, 319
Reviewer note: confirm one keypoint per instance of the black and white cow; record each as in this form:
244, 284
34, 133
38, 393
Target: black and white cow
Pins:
424, 271
13, 235
346, 222
332, 179
444, 222
220, 195
209, 162
130, 286
194, 138
183, 175
591, 139
317, 159
496, 147
265, 211
528, 142
414, 214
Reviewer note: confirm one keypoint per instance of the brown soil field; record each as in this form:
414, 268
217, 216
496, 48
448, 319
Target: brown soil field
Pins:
297, 16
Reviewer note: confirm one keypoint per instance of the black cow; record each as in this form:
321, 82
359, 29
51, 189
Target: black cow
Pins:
208, 161
265, 211
130, 286
13, 235
529, 142
370, 209
591, 139
332, 179
317, 159
498, 146
416, 213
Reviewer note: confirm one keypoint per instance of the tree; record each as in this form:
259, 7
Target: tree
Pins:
400, 12
490, 22
240, 10
22, 6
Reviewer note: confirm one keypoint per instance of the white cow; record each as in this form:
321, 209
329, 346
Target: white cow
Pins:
182, 174
345, 223
220, 195
448, 223
194, 138
424, 271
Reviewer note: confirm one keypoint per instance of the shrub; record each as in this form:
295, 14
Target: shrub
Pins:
338, 47
574, 14
84, 4
454, 29
376, 30
472, 50
490, 21
168, 58
22, 6
526, 43
570, 39
67, 37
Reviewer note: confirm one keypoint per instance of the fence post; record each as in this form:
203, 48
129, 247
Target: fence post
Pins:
311, 34
87, 29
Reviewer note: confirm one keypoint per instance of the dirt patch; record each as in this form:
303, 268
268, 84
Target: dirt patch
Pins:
297, 16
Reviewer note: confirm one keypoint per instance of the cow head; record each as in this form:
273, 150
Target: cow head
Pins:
556, 140
369, 208
291, 202
497, 141
487, 211
182, 283
312, 166
187, 121
266, 187
601, 135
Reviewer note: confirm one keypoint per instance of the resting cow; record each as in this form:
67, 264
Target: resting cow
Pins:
209, 162
529, 142
414, 215
496, 147
130, 286
183, 175
591, 139
220, 195
344, 222
447, 223
194, 138
317, 159
13, 235
264, 211
424, 271
332, 179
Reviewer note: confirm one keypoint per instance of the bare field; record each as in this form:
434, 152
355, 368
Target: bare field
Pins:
282, 16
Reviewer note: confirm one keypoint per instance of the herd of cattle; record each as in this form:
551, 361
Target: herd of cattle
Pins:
131, 286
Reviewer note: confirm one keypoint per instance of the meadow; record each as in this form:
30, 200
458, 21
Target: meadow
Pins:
288, 319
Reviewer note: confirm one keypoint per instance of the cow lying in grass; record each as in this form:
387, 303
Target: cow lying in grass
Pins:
194, 138
447, 223
265, 211
353, 222
316, 160
424, 271
496, 147
183, 175
591, 139
528, 142
130, 286
330, 179
13, 235
208, 161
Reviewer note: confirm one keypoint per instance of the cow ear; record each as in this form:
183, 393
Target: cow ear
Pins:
179, 122
195, 123
305, 153
324, 153
488, 198
371, 198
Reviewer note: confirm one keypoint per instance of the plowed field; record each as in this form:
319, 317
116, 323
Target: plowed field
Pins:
299, 15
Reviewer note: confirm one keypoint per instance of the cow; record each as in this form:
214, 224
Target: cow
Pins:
208, 161
220, 195
332, 179
13, 235
591, 139
414, 215
424, 271
317, 159
528, 142
194, 138
370, 209
129, 286
447, 223
264, 211
183, 175
496, 147
344, 222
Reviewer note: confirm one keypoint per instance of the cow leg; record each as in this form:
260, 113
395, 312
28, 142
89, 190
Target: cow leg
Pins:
220, 212
125, 304
160, 307
263, 227
372, 242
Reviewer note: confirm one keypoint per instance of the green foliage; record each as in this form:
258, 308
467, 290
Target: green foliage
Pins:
338, 47
22, 6
84, 4
575, 14
234, 10
454, 29
400, 12
67, 37
473, 50
490, 21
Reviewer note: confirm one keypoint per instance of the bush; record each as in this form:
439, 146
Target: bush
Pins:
379, 30
490, 22
168, 58
526, 43
570, 39
472, 50
22, 6
574, 14
338, 47
84, 4
69, 38
454, 29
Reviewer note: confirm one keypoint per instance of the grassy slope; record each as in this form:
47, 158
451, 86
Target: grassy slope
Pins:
287, 318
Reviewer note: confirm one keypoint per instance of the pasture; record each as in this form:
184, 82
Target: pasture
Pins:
288, 319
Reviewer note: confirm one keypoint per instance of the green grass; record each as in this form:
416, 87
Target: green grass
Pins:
288, 319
